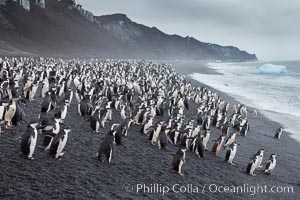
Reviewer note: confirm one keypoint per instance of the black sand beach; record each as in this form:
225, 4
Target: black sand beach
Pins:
79, 175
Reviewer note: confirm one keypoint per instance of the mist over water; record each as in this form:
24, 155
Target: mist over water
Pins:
274, 95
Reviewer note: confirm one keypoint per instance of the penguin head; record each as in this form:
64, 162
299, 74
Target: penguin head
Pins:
67, 130
234, 145
161, 123
113, 132
150, 117
234, 133
273, 156
130, 121
108, 104
260, 152
33, 124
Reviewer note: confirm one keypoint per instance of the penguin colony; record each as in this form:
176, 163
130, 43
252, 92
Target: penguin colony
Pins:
150, 95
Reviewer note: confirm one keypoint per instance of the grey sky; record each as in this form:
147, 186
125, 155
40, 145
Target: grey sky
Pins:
269, 28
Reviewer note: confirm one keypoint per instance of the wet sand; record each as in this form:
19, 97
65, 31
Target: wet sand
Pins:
79, 175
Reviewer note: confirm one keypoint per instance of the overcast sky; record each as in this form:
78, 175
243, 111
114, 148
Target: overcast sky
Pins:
268, 28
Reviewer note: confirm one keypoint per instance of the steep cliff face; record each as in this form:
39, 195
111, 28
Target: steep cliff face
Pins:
85, 13
122, 28
54, 31
170, 46
64, 28
231, 53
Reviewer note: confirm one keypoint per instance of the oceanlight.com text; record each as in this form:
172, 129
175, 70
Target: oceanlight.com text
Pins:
162, 189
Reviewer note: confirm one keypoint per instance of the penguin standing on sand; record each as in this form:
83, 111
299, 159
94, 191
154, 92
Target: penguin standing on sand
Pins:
85, 107
44, 119
254, 113
225, 129
271, 164
205, 139
207, 122
147, 125
128, 122
107, 146
109, 110
175, 131
124, 113
179, 160
199, 120
68, 95
252, 165
10, 112
162, 138
95, 121
244, 129
78, 96
27, 88
197, 146
3, 109
138, 117
29, 139
260, 155
45, 87
18, 116
230, 140
196, 131
59, 142
278, 133
119, 128
53, 97
61, 112
103, 116
32, 91
230, 154
46, 103
154, 137
218, 145
49, 135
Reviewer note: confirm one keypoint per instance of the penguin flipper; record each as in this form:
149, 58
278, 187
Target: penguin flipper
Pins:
268, 165
227, 155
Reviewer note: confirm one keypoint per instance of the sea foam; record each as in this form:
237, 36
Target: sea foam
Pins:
276, 97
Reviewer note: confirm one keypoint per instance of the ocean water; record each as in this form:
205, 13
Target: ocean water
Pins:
275, 95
